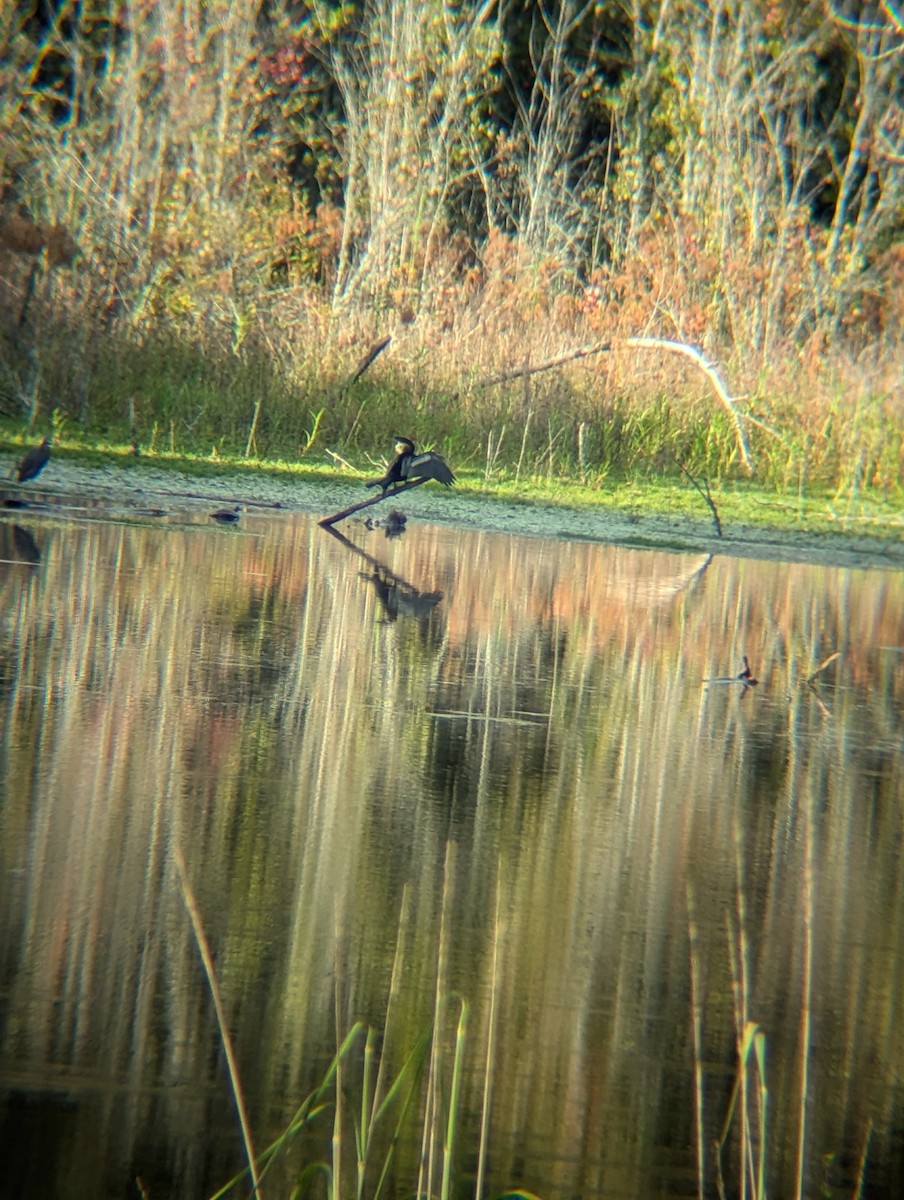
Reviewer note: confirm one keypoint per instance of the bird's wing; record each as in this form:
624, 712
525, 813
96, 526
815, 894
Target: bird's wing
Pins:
428, 466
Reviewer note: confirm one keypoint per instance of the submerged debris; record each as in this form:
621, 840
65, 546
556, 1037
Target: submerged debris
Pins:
393, 524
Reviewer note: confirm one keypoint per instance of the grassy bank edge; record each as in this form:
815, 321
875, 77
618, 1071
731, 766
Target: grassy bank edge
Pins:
739, 503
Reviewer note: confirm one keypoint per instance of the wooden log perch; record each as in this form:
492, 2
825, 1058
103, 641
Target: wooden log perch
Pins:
693, 353
327, 522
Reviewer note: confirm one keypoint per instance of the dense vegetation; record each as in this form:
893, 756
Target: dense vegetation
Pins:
211, 210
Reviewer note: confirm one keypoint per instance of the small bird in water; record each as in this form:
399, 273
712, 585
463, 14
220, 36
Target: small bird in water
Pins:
409, 465
226, 516
33, 461
746, 676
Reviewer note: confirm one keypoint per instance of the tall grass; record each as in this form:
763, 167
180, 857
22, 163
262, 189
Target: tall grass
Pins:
619, 416
254, 198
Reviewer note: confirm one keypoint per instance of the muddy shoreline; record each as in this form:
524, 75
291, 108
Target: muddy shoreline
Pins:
128, 492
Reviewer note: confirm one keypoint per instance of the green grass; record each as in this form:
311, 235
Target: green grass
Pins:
739, 502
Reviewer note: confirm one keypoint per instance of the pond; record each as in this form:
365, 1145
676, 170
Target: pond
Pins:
588, 914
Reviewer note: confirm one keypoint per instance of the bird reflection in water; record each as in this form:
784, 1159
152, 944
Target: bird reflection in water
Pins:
396, 595
18, 546
398, 598
226, 516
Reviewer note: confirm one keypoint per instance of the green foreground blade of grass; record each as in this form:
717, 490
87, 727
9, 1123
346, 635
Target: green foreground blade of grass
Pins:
311, 1107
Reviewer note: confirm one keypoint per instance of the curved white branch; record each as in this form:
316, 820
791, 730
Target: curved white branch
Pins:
712, 374
696, 356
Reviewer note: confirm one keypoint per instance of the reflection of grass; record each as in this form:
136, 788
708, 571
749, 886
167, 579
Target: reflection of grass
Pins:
364, 1136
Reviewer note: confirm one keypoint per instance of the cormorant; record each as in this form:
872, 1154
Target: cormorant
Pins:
408, 465
33, 461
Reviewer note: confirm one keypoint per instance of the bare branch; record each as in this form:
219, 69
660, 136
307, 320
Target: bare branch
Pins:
696, 356
347, 512
704, 491
712, 374
369, 358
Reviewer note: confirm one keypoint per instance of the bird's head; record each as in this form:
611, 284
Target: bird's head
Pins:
403, 445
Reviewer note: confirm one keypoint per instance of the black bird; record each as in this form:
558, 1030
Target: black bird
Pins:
33, 461
408, 465
226, 516
746, 676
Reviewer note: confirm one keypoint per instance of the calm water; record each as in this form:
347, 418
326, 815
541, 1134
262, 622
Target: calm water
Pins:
453, 773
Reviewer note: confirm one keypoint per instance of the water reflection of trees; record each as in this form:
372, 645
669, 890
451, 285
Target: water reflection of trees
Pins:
244, 696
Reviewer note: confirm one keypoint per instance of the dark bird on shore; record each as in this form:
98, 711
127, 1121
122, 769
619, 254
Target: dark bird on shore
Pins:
408, 465
226, 516
33, 461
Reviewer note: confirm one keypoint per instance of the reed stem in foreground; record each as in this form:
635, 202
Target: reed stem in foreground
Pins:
203, 945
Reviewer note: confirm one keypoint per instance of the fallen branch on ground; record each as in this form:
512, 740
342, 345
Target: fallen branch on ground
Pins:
696, 356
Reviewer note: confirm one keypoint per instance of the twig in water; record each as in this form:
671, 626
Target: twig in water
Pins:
705, 493
811, 683
495, 974
825, 663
